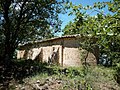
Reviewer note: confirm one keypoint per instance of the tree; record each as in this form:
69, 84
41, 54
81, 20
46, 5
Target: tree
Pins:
103, 26
23, 20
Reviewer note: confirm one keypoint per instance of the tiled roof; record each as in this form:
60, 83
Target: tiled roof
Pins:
45, 40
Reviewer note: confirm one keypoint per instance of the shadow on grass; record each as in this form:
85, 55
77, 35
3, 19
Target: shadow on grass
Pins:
20, 69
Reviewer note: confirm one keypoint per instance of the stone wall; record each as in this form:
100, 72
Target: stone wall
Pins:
71, 57
61, 51
20, 54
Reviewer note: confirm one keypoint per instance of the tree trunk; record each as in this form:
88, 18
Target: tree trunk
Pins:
8, 55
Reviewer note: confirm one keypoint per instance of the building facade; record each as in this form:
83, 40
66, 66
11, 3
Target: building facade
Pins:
64, 51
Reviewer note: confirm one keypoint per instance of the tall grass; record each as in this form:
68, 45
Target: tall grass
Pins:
27, 73
76, 78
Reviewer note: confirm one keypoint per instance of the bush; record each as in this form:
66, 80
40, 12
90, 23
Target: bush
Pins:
117, 73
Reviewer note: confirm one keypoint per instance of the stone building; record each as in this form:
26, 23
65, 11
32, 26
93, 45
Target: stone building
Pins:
64, 51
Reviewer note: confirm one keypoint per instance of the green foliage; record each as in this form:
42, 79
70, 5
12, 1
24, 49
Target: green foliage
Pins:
104, 27
96, 78
27, 72
117, 73
27, 20
32, 17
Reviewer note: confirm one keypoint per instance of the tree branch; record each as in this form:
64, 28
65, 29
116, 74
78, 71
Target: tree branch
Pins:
99, 12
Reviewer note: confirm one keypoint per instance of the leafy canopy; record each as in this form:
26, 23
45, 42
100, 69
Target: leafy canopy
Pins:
103, 26
26, 20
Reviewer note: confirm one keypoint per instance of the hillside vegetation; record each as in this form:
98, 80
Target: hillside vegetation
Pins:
29, 75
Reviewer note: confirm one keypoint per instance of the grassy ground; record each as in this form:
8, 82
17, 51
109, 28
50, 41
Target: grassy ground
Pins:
29, 75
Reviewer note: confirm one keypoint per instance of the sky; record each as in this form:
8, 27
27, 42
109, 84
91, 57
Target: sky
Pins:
66, 19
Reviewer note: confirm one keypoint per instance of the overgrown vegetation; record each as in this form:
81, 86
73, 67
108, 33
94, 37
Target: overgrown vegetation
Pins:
27, 20
103, 26
33, 76
24, 20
